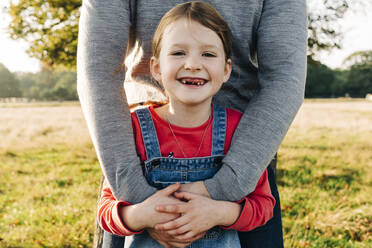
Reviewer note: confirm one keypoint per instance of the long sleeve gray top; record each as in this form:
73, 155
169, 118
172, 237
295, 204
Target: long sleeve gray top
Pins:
266, 84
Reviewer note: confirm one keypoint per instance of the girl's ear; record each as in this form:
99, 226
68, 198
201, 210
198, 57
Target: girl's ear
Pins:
227, 71
155, 69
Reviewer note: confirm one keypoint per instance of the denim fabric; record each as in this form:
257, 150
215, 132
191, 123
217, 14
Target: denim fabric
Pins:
163, 171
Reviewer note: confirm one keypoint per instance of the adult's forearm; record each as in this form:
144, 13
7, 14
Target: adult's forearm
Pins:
281, 53
103, 32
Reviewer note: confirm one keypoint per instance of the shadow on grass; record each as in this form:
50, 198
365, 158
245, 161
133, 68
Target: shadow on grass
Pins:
307, 174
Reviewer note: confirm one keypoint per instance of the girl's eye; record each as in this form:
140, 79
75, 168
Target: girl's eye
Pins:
178, 53
207, 54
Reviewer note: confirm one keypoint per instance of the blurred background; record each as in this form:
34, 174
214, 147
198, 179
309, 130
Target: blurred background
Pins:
38, 42
49, 173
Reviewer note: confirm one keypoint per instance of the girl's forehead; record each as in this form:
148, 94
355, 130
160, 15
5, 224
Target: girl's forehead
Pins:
185, 25
185, 31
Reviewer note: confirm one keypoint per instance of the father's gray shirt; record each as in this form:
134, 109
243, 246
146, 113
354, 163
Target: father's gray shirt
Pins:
267, 84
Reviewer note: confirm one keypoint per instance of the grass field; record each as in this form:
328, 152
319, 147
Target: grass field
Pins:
49, 176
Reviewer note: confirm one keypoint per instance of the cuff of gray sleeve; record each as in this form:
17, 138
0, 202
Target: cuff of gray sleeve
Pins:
225, 186
214, 189
134, 189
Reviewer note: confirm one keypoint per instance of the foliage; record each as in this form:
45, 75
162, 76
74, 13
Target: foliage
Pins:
359, 81
358, 58
355, 81
49, 85
319, 80
9, 85
51, 27
323, 30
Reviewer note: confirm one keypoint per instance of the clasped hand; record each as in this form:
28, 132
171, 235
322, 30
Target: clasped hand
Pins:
179, 218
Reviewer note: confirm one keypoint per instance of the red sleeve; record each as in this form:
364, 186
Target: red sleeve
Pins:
258, 207
108, 213
233, 118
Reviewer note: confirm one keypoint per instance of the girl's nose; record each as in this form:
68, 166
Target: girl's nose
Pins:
192, 63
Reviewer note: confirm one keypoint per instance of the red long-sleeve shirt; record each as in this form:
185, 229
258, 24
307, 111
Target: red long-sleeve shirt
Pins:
257, 207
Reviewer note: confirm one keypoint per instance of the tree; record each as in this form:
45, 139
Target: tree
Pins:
362, 58
49, 85
51, 27
65, 85
9, 85
323, 30
359, 81
319, 80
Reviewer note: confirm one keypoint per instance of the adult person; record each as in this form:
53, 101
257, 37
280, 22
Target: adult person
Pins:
267, 84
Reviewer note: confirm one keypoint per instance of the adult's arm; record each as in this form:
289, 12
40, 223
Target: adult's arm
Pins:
281, 54
103, 35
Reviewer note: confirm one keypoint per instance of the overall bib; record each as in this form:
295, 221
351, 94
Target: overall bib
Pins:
161, 172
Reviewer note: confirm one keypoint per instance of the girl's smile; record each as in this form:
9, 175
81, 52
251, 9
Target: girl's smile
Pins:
192, 81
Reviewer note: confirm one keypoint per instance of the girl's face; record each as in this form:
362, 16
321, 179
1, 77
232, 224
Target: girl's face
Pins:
191, 65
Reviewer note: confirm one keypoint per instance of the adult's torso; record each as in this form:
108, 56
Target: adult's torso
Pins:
242, 17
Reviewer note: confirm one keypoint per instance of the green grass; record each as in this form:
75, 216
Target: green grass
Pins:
48, 194
325, 184
48, 197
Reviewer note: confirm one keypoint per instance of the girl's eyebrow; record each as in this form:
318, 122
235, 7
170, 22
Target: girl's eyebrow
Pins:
209, 47
206, 46
178, 45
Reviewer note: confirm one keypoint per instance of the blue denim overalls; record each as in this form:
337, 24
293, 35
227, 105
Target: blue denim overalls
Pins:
161, 172
269, 235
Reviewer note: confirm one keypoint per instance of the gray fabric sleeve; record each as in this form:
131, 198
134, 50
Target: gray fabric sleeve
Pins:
103, 34
281, 53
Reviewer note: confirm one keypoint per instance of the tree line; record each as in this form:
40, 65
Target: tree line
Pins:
46, 85
321, 81
354, 81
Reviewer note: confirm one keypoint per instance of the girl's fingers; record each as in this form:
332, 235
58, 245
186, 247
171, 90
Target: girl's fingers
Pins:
187, 236
179, 231
184, 195
199, 236
171, 189
196, 237
171, 225
171, 208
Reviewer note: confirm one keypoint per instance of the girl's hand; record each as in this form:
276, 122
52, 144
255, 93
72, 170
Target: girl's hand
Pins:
198, 215
143, 215
196, 188
164, 196
168, 241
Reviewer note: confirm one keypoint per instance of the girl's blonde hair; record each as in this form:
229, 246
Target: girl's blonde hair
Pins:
201, 12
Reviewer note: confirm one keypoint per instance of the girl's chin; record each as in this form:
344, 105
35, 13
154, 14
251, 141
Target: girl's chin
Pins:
194, 102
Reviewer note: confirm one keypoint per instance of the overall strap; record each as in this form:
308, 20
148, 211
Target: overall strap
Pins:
149, 136
219, 130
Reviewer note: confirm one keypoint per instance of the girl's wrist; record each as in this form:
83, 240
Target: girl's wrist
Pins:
229, 213
131, 217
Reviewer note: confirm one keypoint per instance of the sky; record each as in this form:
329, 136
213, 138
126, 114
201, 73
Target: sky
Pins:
356, 27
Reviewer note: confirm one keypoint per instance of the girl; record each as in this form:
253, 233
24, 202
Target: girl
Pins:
185, 140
